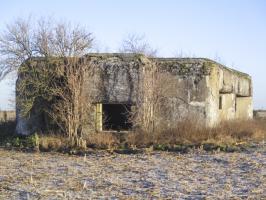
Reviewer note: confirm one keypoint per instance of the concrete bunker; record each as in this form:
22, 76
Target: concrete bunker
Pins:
182, 87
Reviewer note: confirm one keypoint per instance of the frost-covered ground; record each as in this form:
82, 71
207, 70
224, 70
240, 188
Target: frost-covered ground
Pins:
158, 175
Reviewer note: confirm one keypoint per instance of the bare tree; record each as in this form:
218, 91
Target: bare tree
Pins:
16, 46
134, 43
24, 42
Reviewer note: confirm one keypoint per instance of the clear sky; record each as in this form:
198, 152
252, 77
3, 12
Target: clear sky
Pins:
233, 30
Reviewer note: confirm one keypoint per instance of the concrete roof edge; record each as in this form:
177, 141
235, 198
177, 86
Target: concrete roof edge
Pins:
134, 55
228, 68
203, 60
115, 54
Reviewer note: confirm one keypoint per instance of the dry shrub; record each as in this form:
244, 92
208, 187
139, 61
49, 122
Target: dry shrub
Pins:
102, 140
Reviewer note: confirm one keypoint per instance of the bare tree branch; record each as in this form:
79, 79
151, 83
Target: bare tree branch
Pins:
134, 43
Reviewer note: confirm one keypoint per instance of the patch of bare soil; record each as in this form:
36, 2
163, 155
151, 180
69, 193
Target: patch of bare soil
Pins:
155, 175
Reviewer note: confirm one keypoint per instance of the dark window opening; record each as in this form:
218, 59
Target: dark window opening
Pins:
220, 103
116, 117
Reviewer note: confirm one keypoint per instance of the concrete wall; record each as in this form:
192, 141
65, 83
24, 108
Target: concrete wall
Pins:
115, 79
227, 111
181, 83
244, 108
233, 90
212, 100
189, 78
196, 86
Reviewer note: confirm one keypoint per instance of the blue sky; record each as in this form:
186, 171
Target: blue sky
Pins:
234, 31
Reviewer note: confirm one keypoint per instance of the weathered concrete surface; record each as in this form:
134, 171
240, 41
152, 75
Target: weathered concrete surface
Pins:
228, 111
244, 108
235, 82
212, 99
235, 90
116, 78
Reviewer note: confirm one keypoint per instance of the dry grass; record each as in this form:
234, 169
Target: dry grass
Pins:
151, 175
240, 131
102, 140
156, 175
185, 133
189, 132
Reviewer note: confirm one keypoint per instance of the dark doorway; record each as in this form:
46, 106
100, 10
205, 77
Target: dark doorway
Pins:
116, 117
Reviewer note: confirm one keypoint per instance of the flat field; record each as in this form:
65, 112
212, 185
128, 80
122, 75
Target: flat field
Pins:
154, 175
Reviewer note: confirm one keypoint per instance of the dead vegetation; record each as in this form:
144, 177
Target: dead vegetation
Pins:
190, 133
151, 175
148, 175
227, 136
